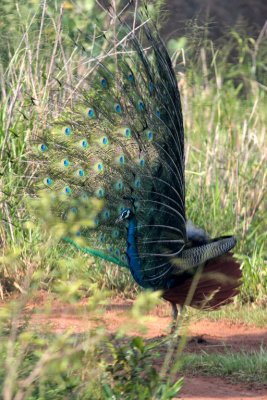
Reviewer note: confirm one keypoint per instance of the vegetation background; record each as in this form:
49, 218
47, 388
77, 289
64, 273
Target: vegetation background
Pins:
221, 69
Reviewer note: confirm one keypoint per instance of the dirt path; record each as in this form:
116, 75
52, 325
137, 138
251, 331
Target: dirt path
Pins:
210, 388
204, 335
210, 335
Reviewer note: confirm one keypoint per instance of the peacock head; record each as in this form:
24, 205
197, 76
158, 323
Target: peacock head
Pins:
125, 214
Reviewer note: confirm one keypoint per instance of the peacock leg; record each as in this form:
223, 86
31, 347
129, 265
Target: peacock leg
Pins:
174, 317
176, 312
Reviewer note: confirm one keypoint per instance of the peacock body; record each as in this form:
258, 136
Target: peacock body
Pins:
122, 141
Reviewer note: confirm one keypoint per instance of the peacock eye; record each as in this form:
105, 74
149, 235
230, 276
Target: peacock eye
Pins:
150, 136
49, 181
43, 147
91, 113
119, 185
84, 143
137, 183
128, 132
118, 108
104, 83
141, 105
151, 87
130, 77
100, 192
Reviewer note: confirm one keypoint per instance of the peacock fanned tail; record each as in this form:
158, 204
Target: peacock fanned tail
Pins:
122, 141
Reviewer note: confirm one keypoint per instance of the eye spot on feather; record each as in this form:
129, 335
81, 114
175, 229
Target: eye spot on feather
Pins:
81, 172
74, 210
78, 233
118, 108
91, 113
85, 197
128, 132
141, 105
142, 162
130, 77
100, 193
43, 147
106, 214
158, 114
104, 83
151, 87
96, 221
105, 140
119, 185
102, 238
137, 205
67, 190
48, 181
149, 135
137, 183
117, 252
115, 234
120, 159
67, 131
66, 163
84, 143
98, 167
123, 258
110, 249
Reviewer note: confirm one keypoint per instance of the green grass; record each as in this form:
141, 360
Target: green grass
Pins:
225, 123
238, 367
254, 315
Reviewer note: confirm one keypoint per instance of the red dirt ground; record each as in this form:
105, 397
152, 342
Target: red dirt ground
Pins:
210, 388
204, 335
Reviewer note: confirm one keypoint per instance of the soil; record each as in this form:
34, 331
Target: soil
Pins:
203, 335
210, 388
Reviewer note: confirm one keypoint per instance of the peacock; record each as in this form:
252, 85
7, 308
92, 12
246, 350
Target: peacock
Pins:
121, 141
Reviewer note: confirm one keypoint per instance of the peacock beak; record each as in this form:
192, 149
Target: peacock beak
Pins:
118, 220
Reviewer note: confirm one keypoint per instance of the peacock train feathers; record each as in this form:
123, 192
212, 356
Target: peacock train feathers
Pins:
122, 141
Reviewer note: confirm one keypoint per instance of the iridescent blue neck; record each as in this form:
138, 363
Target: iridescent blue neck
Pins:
132, 253
134, 260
